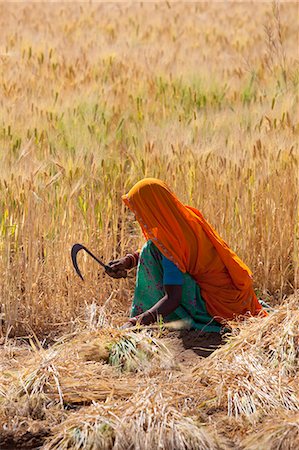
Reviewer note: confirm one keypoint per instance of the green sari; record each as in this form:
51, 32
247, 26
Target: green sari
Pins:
149, 290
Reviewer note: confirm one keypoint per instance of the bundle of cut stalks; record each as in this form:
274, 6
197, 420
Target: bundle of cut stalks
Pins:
126, 350
253, 373
145, 422
76, 372
280, 432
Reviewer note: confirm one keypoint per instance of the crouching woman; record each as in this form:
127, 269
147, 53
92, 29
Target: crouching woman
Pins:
185, 271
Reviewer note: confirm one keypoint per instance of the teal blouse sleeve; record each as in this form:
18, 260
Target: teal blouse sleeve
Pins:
171, 273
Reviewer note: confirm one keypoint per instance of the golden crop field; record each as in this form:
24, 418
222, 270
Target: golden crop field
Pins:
94, 97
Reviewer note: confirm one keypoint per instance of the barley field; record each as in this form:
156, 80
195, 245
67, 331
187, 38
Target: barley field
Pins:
94, 97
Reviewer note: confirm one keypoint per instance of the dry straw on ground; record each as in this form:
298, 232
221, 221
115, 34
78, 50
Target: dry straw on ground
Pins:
255, 373
74, 372
147, 424
219, 404
279, 433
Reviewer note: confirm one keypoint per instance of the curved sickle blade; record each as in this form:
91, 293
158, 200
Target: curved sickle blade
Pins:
74, 252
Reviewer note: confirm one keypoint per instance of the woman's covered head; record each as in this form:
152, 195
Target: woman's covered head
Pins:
160, 214
152, 202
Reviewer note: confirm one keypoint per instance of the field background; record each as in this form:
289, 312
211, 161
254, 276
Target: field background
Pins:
95, 97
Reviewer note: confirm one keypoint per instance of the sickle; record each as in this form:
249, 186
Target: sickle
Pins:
74, 252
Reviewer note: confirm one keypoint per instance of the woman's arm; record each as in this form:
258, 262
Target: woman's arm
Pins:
164, 307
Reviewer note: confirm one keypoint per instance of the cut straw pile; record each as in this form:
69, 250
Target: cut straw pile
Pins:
78, 371
145, 422
279, 433
112, 389
254, 377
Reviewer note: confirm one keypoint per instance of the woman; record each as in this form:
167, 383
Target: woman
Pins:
185, 270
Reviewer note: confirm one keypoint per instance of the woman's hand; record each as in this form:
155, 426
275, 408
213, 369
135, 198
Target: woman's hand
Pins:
118, 268
130, 324
127, 325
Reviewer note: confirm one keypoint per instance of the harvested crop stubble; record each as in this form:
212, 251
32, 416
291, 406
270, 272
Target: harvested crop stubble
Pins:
251, 378
145, 422
278, 433
12, 353
74, 372
253, 373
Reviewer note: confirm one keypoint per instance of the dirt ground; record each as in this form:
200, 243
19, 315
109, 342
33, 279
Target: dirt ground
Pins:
28, 440
189, 345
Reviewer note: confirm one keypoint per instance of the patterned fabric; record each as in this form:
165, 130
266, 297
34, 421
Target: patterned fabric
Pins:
149, 290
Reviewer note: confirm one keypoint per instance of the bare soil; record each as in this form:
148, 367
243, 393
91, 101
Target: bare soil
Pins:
27, 440
189, 345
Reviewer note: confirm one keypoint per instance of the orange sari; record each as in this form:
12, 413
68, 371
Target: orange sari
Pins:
183, 235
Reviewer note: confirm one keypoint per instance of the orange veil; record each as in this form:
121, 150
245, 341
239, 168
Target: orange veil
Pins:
183, 235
